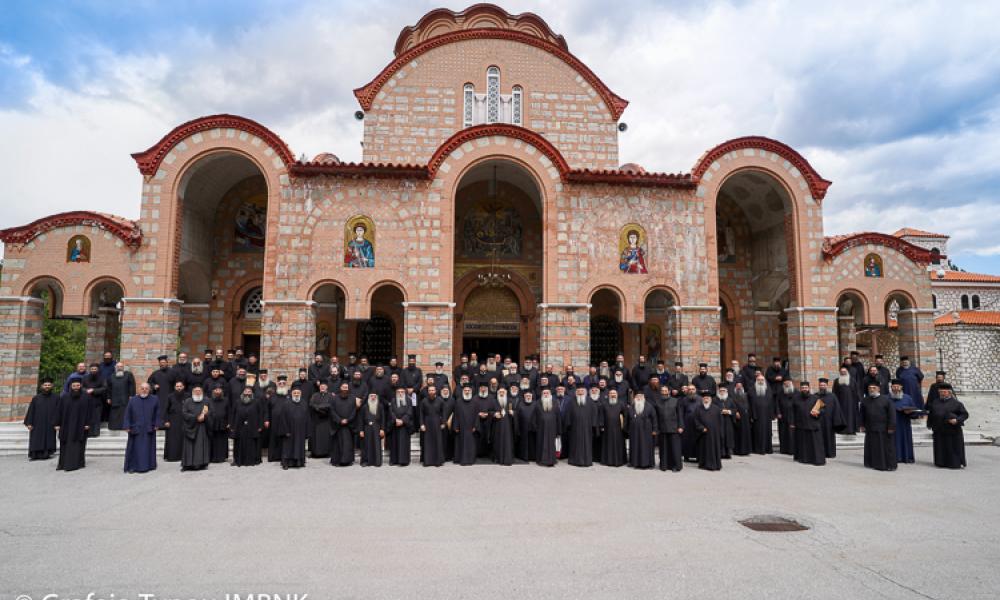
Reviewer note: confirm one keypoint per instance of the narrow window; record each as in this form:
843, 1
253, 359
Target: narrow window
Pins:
934, 300
470, 101
492, 95
975, 302
516, 108
965, 302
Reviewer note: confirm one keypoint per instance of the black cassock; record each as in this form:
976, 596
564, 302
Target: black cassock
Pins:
319, 428
809, 447
612, 424
728, 408
878, 417
196, 453
708, 424
578, 432
247, 423
94, 381
447, 411
343, 415
73, 417
483, 405
762, 413
173, 438
218, 428
742, 426
42, 414
502, 432
294, 429
546, 431
690, 436
140, 419
670, 418
527, 434
372, 424
848, 399
432, 441
786, 439
464, 422
641, 439
274, 438
831, 422
399, 434
949, 441
120, 390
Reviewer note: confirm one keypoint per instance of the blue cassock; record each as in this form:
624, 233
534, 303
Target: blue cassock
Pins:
911, 378
904, 433
141, 416
69, 379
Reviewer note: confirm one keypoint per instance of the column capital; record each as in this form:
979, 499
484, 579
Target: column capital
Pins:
429, 304
800, 309
566, 305
22, 299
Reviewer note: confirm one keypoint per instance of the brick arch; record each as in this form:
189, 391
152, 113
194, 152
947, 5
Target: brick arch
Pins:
622, 303
316, 286
370, 292
846, 269
791, 160
60, 289
903, 294
865, 307
90, 287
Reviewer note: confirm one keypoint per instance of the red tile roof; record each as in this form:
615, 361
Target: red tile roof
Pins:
969, 317
909, 231
963, 276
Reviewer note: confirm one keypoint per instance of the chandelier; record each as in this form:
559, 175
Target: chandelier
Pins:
493, 278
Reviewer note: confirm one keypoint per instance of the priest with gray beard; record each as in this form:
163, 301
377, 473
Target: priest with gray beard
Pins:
464, 422
612, 421
197, 452
845, 388
762, 413
642, 431
547, 429
579, 428
527, 440
373, 421
503, 430
785, 405
294, 429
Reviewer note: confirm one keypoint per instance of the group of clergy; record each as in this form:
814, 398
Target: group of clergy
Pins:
495, 410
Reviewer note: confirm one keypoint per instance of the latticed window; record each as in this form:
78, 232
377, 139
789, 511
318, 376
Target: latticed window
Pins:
516, 94
253, 304
470, 103
605, 339
376, 339
492, 95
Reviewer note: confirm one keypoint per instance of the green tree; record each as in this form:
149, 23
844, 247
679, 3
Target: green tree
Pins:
63, 343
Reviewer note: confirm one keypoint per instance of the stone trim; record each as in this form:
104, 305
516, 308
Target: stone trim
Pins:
24, 299
566, 305
800, 309
697, 307
153, 300
919, 311
429, 304
287, 302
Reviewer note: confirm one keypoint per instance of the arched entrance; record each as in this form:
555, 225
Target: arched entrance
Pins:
498, 260
104, 319
754, 217
606, 341
378, 338
329, 315
223, 228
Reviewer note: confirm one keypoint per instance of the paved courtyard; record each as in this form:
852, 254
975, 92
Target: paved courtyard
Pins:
488, 532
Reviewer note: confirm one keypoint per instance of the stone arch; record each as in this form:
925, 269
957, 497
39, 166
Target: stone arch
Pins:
47, 283
317, 285
93, 287
864, 304
373, 288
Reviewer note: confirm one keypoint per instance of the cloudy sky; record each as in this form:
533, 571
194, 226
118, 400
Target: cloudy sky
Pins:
897, 102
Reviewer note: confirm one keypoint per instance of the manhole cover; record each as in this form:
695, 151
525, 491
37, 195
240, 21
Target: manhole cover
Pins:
772, 523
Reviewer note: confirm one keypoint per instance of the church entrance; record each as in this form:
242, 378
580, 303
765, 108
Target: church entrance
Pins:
498, 261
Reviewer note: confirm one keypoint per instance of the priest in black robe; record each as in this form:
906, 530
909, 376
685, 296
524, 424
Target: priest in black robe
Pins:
294, 430
275, 405
742, 422
432, 430
484, 409
319, 417
728, 409
878, 422
785, 403
464, 423
613, 414
95, 388
547, 428
579, 425
643, 428
708, 424
845, 388
173, 424
762, 414
806, 414
72, 422
689, 402
401, 427
945, 417
831, 421
526, 413
703, 381
121, 388
247, 423
139, 421
196, 453
43, 412
343, 416
373, 423
670, 427
503, 429
217, 424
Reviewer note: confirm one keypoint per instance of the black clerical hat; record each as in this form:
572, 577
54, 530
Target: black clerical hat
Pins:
678, 364
703, 365
302, 370
47, 380
776, 359
209, 351
878, 356
942, 373
704, 393
282, 377
873, 383
824, 380
411, 357
945, 386
895, 382
162, 357
803, 382
439, 364
902, 358
262, 372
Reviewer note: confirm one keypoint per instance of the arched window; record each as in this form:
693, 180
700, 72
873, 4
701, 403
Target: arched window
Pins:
965, 302
253, 303
492, 94
935, 256
975, 302
516, 94
470, 102
934, 300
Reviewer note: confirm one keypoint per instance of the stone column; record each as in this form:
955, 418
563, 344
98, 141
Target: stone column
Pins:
21, 321
916, 340
195, 320
429, 328
767, 335
565, 334
696, 334
150, 327
812, 342
102, 334
287, 336
846, 335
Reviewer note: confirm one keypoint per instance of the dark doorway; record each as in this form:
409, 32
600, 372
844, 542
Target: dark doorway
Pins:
605, 340
251, 344
375, 339
488, 346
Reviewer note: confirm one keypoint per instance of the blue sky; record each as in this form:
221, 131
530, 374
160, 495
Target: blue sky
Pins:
897, 102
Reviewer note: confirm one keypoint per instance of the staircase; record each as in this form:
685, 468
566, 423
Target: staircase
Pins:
14, 441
